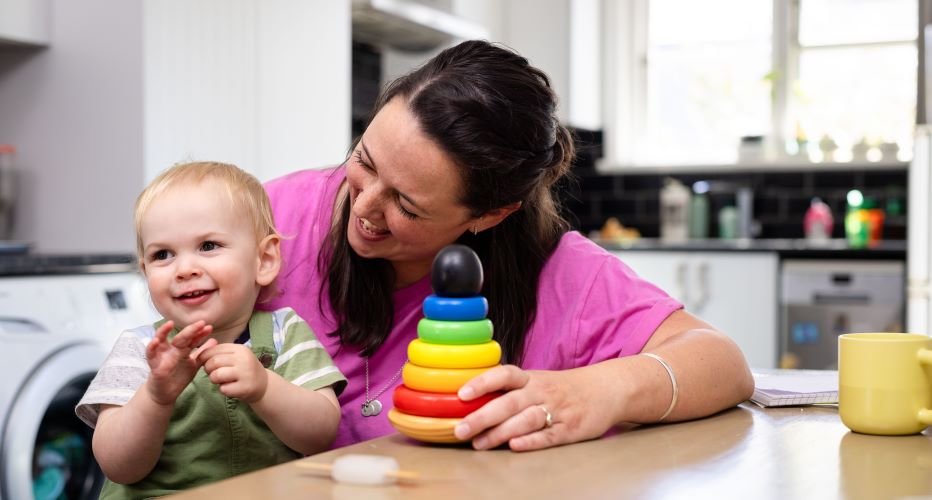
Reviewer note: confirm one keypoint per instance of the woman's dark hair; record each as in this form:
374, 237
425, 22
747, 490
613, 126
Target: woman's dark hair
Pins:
494, 115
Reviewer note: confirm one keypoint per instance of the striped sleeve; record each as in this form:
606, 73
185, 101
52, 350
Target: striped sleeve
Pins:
302, 359
123, 372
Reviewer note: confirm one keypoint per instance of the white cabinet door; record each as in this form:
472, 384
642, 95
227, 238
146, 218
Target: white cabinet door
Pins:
24, 21
736, 292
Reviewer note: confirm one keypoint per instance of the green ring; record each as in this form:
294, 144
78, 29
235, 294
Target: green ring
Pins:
454, 332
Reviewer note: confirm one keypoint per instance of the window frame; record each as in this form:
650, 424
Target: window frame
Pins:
624, 94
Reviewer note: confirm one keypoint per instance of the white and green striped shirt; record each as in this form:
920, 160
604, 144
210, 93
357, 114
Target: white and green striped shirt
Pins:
301, 359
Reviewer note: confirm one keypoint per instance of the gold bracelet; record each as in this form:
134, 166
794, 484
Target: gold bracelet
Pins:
672, 380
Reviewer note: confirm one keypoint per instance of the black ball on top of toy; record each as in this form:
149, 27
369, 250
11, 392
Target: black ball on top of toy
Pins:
456, 272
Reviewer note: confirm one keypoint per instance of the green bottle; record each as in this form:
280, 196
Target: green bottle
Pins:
699, 216
699, 211
728, 223
857, 227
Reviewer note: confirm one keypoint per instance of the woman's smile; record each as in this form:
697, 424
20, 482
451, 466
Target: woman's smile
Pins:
369, 231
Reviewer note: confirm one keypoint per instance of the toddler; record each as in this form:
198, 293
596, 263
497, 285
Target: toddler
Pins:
208, 248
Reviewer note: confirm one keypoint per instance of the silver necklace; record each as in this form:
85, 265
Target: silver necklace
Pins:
373, 406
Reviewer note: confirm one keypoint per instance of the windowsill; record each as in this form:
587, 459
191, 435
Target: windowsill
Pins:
778, 166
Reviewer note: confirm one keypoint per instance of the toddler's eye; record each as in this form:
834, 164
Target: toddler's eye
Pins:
209, 245
161, 255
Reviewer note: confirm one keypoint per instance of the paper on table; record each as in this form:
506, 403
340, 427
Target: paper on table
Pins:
795, 387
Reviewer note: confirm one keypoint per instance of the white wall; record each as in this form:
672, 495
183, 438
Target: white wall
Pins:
125, 89
25, 21
584, 95
541, 34
561, 37
487, 13
74, 113
262, 84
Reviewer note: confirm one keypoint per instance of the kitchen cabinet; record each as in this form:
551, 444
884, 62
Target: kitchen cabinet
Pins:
734, 291
126, 89
264, 85
24, 22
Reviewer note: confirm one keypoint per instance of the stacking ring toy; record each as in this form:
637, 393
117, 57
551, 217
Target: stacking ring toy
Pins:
454, 356
420, 378
456, 308
437, 404
433, 430
454, 332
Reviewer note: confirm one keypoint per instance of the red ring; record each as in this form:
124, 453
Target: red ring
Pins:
437, 404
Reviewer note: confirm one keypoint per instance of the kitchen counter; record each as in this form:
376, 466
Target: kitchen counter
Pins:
48, 264
786, 248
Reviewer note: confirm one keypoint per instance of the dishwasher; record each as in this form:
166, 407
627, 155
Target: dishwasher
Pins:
822, 299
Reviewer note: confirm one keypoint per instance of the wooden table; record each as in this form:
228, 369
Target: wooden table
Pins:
745, 452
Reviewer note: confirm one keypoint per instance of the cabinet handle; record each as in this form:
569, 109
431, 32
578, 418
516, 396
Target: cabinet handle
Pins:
702, 279
682, 282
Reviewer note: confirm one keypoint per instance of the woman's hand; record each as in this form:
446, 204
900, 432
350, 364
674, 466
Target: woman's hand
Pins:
578, 409
172, 364
237, 372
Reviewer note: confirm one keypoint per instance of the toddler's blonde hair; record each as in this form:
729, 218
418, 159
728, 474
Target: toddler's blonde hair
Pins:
245, 191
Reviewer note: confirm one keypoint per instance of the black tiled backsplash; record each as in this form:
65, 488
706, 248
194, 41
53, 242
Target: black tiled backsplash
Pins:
366, 81
780, 198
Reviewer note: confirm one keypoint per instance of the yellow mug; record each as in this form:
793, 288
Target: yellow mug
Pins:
885, 382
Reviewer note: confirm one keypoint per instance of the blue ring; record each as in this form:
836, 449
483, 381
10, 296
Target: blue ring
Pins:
456, 308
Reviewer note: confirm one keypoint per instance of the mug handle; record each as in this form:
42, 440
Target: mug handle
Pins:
925, 357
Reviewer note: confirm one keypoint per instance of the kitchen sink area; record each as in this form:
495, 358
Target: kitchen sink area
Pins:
736, 284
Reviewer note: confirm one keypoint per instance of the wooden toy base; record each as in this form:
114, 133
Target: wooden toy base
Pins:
432, 430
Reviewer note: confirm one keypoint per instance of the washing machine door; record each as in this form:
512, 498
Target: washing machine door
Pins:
43, 442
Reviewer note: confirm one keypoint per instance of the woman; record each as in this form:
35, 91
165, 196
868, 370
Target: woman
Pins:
467, 149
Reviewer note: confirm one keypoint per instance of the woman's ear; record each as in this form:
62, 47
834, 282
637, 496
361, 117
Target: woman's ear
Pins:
495, 216
270, 260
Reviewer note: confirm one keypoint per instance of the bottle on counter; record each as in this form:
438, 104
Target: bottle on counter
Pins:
857, 229
728, 223
674, 211
875, 217
818, 221
699, 211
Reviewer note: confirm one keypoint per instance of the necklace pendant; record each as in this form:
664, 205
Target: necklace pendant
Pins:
371, 408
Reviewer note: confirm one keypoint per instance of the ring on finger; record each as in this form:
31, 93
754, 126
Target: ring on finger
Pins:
548, 417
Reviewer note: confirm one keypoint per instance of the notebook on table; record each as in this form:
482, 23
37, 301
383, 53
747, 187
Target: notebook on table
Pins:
794, 387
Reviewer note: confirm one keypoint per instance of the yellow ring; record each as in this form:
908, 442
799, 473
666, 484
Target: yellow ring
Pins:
420, 378
454, 356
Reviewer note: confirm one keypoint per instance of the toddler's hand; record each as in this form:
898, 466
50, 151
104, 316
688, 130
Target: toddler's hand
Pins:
237, 372
173, 364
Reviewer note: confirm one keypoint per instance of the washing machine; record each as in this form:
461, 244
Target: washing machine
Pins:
59, 316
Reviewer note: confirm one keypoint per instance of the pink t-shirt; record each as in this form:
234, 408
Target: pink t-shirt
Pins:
591, 306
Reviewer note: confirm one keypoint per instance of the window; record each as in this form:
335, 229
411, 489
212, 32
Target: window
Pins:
706, 77
856, 84
796, 79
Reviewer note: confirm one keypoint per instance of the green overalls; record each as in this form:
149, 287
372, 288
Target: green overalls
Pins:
210, 436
